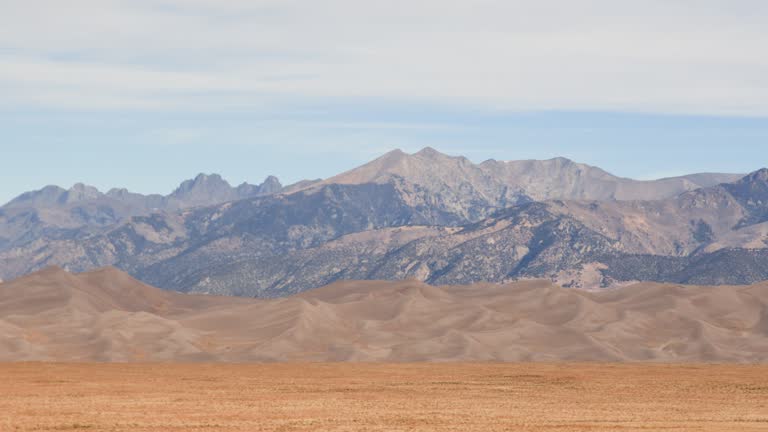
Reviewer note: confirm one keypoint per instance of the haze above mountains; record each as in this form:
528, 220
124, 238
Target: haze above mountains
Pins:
427, 216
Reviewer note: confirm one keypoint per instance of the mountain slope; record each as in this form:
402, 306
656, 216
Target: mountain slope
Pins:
576, 243
451, 184
283, 244
428, 216
207, 237
563, 179
107, 316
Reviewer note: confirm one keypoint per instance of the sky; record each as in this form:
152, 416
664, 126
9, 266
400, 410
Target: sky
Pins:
146, 93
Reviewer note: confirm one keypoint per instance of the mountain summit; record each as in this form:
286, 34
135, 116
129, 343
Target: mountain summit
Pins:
202, 190
501, 183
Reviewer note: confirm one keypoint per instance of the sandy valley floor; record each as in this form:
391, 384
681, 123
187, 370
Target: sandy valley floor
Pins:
382, 397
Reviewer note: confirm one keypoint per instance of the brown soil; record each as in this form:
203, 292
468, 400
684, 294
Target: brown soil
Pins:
382, 397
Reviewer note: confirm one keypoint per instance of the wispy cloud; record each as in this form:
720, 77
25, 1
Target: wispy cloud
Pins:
683, 56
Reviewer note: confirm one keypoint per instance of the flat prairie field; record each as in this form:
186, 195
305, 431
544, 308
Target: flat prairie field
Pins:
383, 397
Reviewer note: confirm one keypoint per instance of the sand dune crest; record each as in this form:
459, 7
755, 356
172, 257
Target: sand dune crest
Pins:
106, 315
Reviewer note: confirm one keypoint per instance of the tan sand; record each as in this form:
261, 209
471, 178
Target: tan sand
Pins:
108, 316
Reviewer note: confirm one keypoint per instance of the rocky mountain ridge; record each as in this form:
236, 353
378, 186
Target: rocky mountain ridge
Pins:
203, 190
505, 183
427, 216
54, 211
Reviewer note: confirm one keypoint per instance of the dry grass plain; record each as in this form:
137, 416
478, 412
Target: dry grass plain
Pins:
382, 397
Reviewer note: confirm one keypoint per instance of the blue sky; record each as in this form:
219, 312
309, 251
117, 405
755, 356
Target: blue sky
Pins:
144, 94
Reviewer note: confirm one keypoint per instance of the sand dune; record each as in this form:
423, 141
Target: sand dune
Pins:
106, 315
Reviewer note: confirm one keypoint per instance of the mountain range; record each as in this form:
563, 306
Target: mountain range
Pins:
85, 205
426, 216
105, 315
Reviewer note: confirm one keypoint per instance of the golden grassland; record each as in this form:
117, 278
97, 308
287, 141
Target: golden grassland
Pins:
383, 397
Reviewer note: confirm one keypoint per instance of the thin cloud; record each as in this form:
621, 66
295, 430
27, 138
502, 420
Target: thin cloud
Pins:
697, 57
